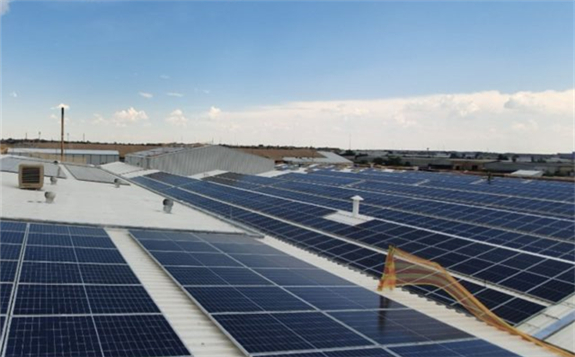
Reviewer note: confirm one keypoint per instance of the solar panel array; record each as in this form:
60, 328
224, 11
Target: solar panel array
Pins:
271, 303
479, 254
92, 174
67, 291
11, 164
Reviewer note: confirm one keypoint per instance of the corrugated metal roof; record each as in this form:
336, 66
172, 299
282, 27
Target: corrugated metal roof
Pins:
66, 151
328, 158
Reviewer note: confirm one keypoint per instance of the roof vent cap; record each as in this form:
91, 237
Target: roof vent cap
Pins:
53, 180
117, 183
49, 196
168, 204
356, 200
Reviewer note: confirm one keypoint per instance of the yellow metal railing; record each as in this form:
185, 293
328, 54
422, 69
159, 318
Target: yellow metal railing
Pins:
402, 268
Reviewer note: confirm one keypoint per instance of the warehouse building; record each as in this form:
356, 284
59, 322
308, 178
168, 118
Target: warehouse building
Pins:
190, 161
90, 157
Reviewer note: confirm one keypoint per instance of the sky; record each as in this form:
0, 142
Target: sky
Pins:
487, 76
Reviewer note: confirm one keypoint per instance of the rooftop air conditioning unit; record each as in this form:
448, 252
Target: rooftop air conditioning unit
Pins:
31, 176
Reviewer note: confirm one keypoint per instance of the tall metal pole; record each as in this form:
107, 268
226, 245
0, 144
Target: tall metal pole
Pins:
62, 137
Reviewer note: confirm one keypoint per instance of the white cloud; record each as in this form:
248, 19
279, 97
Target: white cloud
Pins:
539, 102
99, 120
128, 116
121, 118
175, 94
13, 94
177, 118
164, 76
214, 112
61, 105
146, 95
4, 6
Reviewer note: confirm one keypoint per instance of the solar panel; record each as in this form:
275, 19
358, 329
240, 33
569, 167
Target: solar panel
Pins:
92, 255
65, 336
398, 326
50, 273
61, 240
51, 300
140, 335
109, 274
364, 352
363, 259
474, 348
342, 251
7, 271
110, 299
10, 251
344, 298
75, 301
11, 237
5, 292
282, 309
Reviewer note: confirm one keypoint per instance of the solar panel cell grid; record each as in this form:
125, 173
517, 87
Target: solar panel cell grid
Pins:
10, 251
92, 242
5, 292
62, 240
51, 300
54, 312
110, 274
52, 337
262, 333
346, 298
222, 299
120, 300
108, 256
398, 326
144, 335
7, 271
49, 254
474, 348
12, 226
11, 237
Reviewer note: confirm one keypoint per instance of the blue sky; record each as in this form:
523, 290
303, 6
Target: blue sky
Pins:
226, 63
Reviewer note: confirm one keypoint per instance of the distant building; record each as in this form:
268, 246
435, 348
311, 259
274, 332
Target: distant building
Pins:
551, 168
188, 161
326, 157
91, 157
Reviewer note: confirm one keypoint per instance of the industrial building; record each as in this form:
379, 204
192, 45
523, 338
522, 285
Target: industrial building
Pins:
90, 157
279, 264
188, 161
325, 157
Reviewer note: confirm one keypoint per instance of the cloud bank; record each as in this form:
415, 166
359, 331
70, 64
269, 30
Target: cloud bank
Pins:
490, 120
524, 121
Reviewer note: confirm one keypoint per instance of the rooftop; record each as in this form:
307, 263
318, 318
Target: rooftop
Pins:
124, 211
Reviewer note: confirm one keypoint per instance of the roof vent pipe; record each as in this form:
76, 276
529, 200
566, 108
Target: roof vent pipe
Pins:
117, 183
53, 180
356, 200
50, 196
168, 204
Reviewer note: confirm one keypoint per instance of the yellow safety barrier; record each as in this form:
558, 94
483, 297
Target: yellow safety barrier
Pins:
402, 268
